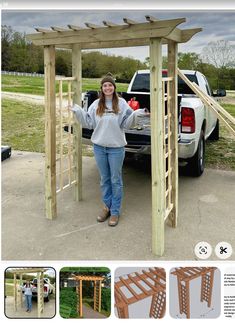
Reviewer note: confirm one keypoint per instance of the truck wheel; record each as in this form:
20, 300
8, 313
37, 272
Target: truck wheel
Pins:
47, 299
214, 136
197, 163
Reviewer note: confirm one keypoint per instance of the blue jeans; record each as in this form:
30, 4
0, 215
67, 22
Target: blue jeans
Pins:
109, 161
28, 302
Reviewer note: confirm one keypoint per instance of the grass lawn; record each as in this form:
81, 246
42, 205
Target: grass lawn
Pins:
9, 290
221, 154
23, 126
35, 85
9, 280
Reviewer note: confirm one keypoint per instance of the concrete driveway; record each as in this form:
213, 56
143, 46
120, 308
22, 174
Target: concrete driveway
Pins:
206, 213
49, 309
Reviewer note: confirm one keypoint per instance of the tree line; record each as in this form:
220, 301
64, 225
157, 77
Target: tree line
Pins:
22, 56
216, 61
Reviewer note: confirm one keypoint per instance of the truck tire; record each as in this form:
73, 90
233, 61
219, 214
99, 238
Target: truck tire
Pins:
214, 136
197, 163
47, 299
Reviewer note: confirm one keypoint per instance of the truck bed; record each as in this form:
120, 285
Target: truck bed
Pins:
139, 136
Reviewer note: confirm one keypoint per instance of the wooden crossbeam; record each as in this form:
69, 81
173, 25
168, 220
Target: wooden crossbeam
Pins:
177, 36
151, 18
185, 275
27, 270
129, 288
136, 282
122, 295
154, 279
109, 23
92, 26
139, 33
140, 280
42, 30
187, 34
88, 278
160, 272
117, 43
73, 27
129, 21
141, 277
58, 29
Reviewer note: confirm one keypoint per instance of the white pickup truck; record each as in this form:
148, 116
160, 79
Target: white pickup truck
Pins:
48, 288
196, 122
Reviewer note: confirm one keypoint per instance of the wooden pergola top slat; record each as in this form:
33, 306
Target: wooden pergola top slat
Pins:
132, 33
88, 278
140, 285
27, 270
189, 273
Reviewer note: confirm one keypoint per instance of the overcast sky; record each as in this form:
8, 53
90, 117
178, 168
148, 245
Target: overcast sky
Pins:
119, 4
217, 25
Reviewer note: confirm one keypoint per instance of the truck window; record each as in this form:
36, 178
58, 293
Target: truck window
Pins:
208, 89
183, 88
142, 83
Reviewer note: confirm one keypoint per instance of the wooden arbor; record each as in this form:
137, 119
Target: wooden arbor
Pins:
184, 276
40, 286
97, 291
164, 122
139, 285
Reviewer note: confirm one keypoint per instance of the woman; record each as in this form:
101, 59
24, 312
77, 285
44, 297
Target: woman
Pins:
28, 296
108, 116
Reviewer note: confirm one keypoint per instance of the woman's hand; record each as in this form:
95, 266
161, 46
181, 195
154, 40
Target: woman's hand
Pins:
147, 112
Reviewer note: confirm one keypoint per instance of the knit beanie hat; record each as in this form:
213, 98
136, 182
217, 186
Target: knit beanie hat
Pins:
108, 78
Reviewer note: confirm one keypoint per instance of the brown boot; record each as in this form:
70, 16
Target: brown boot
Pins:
113, 220
104, 214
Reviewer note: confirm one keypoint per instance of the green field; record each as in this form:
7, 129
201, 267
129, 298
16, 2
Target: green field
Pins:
9, 290
35, 85
221, 154
9, 280
9, 287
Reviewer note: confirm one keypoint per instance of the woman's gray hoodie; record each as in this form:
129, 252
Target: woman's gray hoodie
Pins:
108, 128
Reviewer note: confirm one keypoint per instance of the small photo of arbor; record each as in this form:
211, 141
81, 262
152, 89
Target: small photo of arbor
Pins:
30, 292
85, 292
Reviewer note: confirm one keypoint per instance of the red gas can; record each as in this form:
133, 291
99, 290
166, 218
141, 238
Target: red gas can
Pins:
134, 104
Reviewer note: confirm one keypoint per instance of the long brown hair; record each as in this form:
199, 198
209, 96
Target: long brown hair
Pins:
102, 106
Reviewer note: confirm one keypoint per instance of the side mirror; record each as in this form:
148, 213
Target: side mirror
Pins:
220, 93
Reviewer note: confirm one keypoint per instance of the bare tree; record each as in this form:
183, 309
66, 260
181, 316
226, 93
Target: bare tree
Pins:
219, 53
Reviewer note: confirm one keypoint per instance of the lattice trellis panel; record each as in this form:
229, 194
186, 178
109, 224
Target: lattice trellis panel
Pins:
96, 296
78, 296
158, 305
166, 98
206, 287
144, 124
136, 286
65, 175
